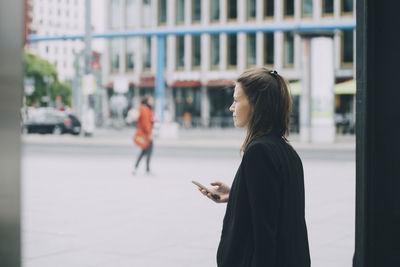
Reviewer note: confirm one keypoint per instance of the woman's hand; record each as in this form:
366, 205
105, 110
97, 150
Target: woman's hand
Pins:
221, 189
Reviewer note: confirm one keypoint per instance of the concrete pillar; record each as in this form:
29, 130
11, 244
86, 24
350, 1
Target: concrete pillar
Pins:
205, 107
305, 98
322, 96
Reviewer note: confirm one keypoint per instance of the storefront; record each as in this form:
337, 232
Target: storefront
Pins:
220, 94
187, 103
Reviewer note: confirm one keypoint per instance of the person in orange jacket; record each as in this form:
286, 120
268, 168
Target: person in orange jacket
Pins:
144, 127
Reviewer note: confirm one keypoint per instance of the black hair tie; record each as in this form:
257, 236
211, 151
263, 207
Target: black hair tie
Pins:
274, 73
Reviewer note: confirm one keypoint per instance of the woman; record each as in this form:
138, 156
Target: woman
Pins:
144, 135
264, 223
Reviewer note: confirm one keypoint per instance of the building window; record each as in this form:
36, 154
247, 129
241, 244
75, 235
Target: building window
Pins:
162, 12
147, 53
288, 8
147, 13
347, 48
214, 44
232, 9
115, 55
306, 8
327, 7
251, 9
196, 11
130, 13
251, 49
115, 14
232, 50
268, 8
268, 48
214, 10
288, 49
180, 11
347, 7
180, 52
196, 51
130, 55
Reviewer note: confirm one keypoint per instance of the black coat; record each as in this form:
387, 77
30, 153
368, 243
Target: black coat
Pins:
264, 224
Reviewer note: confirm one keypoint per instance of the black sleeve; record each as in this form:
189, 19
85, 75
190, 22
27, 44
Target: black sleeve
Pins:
264, 194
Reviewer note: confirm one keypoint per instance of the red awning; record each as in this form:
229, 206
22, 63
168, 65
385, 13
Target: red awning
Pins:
186, 84
109, 85
147, 81
220, 83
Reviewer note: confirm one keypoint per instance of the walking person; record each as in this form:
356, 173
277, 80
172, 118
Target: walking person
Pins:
264, 223
144, 135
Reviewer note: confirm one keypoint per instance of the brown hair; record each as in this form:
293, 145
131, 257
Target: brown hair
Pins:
270, 103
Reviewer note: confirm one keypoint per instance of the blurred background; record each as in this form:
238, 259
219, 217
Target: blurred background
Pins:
87, 64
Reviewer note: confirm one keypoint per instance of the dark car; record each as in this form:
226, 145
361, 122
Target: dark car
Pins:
46, 120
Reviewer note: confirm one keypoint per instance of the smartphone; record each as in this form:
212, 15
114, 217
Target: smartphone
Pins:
214, 196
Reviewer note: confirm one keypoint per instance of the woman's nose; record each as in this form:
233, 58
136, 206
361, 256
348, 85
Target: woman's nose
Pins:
231, 108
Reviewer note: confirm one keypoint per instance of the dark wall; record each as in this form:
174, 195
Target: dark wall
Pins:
378, 134
11, 35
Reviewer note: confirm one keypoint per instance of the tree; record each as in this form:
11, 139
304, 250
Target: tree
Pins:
39, 68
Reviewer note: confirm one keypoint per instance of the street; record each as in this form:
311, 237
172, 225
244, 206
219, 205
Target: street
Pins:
82, 207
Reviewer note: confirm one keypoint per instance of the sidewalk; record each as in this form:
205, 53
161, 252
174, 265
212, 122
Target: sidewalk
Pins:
224, 138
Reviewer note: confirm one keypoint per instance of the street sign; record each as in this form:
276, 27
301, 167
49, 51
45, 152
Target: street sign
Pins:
88, 84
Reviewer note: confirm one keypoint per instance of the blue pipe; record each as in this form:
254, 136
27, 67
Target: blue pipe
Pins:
196, 30
160, 81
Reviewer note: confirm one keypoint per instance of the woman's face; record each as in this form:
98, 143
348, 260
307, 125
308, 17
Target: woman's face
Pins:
240, 107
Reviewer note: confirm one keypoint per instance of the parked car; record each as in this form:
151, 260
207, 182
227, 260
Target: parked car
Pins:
49, 120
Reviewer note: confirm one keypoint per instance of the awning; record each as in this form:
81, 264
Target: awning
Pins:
111, 84
186, 84
147, 81
344, 88
220, 83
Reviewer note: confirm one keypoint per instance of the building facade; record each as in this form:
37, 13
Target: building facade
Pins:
57, 18
200, 68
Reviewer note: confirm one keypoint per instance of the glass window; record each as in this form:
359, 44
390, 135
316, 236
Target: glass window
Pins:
115, 15
220, 101
130, 13
268, 48
251, 49
147, 13
347, 47
180, 11
327, 7
268, 8
288, 49
232, 50
288, 10
347, 6
180, 52
130, 57
214, 51
214, 12
115, 55
187, 101
196, 10
307, 8
196, 51
251, 9
147, 53
162, 11
232, 9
